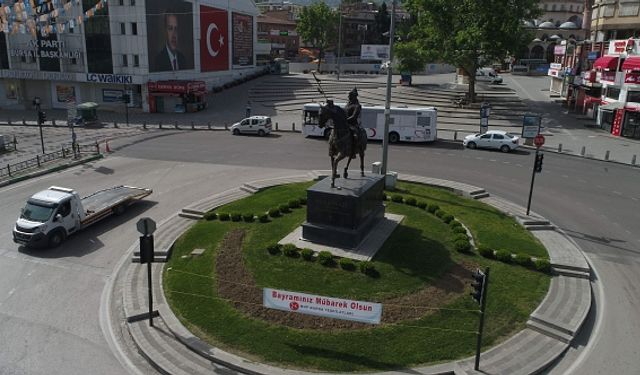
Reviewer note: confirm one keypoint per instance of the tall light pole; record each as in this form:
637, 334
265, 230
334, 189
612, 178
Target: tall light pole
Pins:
339, 37
387, 103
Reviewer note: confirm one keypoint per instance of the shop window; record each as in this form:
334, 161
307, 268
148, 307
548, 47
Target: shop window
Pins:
132, 3
125, 60
628, 9
74, 61
612, 92
633, 96
123, 28
121, 2
607, 10
134, 28
136, 61
23, 59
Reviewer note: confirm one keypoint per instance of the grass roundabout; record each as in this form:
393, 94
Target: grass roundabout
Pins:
422, 276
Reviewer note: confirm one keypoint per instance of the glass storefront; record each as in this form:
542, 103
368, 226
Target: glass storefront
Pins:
631, 127
607, 120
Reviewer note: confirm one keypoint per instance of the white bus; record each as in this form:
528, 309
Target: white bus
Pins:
407, 124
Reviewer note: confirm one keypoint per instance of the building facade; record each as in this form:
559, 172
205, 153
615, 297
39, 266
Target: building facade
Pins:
278, 28
164, 54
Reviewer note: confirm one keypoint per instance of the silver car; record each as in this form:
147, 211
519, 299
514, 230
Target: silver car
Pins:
496, 139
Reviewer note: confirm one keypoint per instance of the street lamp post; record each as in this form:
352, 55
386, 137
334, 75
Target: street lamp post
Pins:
339, 38
36, 103
387, 104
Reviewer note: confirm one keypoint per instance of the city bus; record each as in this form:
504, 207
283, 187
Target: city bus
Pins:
406, 124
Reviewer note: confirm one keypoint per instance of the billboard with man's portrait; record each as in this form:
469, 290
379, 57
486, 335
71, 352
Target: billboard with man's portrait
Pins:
170, 35
242, 39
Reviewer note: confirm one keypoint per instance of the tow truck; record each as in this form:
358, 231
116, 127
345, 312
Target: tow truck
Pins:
51, 215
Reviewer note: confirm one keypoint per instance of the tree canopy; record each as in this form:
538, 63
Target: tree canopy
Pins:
318, 26
468, 33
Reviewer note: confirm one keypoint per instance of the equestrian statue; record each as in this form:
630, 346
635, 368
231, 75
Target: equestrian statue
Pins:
347, 138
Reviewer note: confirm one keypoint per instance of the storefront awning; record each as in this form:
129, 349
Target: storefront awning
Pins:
631, 63
606, 63
612, 106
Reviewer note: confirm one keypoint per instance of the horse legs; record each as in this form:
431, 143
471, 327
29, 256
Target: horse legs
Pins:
361, 163
347, 167
334, 165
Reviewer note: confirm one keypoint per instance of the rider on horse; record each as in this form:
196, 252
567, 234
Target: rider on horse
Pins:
353, 114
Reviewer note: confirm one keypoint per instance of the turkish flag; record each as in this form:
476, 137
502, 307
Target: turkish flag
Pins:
214, 39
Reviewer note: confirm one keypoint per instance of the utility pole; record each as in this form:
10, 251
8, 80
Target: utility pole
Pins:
339, 37
41, 118
387, 104
126, 98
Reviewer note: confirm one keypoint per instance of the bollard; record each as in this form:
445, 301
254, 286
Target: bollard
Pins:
455, 135
15, 143
226, 127
633, 160
24, 122
276, 126
38, 160
144, 125
606, 155
64, 154
9, 122
559, 147
115, 124
97, 148
293, 127
193, 127
175, 123
53, 122
160, 124
9, 169
582, 151
209, 124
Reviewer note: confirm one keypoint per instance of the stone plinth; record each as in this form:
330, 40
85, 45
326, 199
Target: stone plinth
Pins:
343, 216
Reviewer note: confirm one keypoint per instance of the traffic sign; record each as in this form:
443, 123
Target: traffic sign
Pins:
146, 226
538, 140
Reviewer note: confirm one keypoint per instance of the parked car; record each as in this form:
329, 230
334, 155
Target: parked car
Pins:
488, 75
260, 125
496, 139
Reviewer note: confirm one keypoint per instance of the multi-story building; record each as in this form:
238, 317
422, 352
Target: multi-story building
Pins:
278, 28
165, 54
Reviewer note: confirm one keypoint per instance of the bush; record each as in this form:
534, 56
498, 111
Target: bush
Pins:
411, 201
432, 208
264, 218
224, 216
290, 250
455, 223
486, 252
294, 203
421, 204
347, 264
523, 260
368, 269
504, 256
302, 200
236, 216
460, 237
325, 258
248, 218
274, 249
462, 246
307, 254
459, 230
440, 214
284, 208
447, 218
397, 198
210, 216
274, 212
543, 265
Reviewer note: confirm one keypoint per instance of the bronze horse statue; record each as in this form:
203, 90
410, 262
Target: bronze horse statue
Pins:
341, 141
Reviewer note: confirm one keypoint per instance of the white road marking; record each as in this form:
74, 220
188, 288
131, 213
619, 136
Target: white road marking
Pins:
506, 162
617, 192
599, 187
519, 165
565, 176
494, 160
635, 199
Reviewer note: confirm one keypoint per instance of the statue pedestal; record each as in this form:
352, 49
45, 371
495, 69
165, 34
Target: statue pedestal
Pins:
342, 217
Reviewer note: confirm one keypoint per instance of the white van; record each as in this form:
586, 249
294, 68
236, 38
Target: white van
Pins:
260, 125
488, 75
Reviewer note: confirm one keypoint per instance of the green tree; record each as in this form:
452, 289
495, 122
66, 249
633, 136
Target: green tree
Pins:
382, 24
469, 33
318, 26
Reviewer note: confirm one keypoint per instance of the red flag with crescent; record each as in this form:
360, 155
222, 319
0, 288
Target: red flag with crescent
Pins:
214, 39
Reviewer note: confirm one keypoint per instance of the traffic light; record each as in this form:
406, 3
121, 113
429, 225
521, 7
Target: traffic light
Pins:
538, 164
478, 285
42, 117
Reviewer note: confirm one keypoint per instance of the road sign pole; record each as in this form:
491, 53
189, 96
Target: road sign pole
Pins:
483, 305
150, 293
533, 178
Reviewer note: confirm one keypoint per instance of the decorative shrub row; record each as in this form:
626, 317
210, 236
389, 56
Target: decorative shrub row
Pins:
250, 217
323, 258
541, 265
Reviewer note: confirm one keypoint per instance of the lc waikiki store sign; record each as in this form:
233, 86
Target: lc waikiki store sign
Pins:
328, 307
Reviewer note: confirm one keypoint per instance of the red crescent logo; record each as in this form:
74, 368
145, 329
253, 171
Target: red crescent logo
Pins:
373, 132
294, 306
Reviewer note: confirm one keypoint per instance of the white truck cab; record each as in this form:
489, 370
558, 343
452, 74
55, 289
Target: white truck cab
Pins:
488, 75
51, 215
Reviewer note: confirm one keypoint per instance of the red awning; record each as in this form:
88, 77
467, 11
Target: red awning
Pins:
631, 63
606, 63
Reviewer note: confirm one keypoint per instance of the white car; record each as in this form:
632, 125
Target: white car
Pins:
488, 75
260, 125
497, 139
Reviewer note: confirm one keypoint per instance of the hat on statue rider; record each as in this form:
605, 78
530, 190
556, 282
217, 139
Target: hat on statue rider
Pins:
354, 92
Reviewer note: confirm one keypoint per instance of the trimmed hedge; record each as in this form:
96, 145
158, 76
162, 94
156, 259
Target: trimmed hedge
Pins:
368, 268
274, 212
397, 198
523, 260
294, 203
462, 246
459, 230
347, 264
440, 214
290, 250
432, 208
421, 204
249, 218
411, 201
455, 224
224, 216
325, 258
460, 237
447, 218
210, 216
236, 216
302, 200
486, 252
543, 265
274, 249
264, 218
307, 254
284, 208
504, 256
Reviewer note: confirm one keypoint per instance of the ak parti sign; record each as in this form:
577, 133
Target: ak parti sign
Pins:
177, 87
214, 39
328, 307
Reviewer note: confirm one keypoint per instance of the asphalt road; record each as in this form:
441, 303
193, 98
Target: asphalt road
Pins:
51, 305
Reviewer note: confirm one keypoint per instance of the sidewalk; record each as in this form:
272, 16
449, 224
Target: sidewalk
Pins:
172, 349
